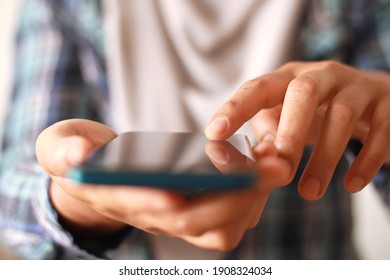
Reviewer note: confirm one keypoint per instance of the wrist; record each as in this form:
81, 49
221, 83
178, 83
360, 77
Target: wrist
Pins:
78, 217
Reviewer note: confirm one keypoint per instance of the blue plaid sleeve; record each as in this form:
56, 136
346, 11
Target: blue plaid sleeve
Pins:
49, 85
60, 74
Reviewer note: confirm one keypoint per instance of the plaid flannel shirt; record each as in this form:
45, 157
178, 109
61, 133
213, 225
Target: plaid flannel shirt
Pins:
60, 74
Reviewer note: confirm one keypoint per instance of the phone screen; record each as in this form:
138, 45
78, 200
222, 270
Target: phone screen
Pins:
181, 161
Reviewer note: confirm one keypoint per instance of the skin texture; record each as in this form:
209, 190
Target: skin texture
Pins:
101, 210
323, 103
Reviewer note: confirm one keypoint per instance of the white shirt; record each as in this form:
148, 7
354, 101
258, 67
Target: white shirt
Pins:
172, 63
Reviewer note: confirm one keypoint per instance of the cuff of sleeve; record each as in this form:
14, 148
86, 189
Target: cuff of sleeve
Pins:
73, 247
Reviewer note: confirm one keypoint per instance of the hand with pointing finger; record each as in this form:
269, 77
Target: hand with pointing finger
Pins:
321, 103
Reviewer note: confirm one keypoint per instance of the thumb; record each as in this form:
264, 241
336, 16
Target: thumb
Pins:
69, 151
68, 143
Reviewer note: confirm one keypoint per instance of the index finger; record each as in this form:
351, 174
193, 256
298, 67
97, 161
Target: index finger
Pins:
263, 92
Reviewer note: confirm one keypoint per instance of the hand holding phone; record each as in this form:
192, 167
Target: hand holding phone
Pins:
179, 161
215, 220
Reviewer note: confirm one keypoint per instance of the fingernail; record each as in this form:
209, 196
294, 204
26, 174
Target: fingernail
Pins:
311, 188
218, 126
218, 155
356, 184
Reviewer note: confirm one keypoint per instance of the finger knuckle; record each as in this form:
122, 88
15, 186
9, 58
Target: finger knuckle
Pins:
232, 105
374, 160
235, 105
324, 162
291, 65
343, 111
332, 65
261, 83
246, 85
184, 226
304, 86
290, 139
362, 81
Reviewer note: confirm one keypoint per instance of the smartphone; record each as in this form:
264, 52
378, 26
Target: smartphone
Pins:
180, 161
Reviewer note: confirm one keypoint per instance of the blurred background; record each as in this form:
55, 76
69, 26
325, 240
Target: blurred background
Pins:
8, 16
372, 220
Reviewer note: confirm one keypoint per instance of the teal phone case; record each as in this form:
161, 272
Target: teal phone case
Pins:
176, 161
